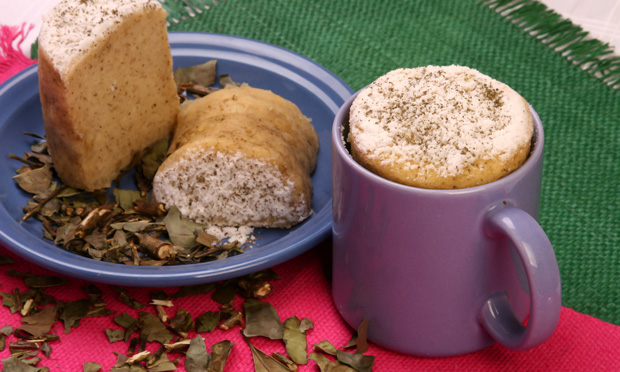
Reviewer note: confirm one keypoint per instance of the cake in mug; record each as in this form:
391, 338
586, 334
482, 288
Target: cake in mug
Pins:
440, 127
240, 156
106, 85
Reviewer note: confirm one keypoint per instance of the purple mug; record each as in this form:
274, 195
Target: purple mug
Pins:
442, 272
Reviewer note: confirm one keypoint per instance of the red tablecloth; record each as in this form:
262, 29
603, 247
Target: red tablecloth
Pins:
581, 342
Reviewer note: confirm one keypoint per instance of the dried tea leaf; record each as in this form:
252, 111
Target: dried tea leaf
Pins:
115, 334
193, 290
46, 349
162, 364
360, 362
306, 325
252, 288
264, 362
207, 239
227, 81
40, 323
153, 157
14, 364
182, 322
125, 298
91, 367
235, 319
125, 198
267, 274
203, 74
362, 340
207, 321
125, 320
44, 281
219, 355
6, 260
152, 329
326, 365
295, 340
35, 181
326, 347
225, 293
197, 359
182, 232
286, 361
261, 319
6, 330
73, 311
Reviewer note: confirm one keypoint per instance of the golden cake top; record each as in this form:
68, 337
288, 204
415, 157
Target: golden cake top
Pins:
73, 27
438, 118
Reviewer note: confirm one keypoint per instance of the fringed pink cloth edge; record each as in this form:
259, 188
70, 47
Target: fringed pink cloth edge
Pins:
12, 59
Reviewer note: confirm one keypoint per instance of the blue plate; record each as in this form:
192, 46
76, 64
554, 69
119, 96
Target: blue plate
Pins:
316, 91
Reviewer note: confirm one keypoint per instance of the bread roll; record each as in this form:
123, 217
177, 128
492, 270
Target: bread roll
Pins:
440, 127
106, 85
240, 156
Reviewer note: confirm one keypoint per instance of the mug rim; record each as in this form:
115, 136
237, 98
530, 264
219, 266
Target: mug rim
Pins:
535, 155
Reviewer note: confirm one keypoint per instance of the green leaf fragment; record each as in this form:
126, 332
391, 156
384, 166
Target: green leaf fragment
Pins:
115, 335
207, 321
264, 362
35, 181
360, 362
196, 358
91, 367
219, 355
326, 347
73, 312
295, 340
326, 365
182, 232
261, 319
152, 329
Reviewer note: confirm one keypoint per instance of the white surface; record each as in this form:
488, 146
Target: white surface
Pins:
599, 17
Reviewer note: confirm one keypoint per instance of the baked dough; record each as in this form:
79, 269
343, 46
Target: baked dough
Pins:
440, 127
240, 156
106, 85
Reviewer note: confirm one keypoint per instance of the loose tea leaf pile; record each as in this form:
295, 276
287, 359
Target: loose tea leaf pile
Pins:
156, 324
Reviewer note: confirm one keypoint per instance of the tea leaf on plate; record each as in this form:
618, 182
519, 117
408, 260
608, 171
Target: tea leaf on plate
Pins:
203, 74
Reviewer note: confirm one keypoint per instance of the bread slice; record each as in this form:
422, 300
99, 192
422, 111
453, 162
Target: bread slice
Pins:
106, 85
240, 156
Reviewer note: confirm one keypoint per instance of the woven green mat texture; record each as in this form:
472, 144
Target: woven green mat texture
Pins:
361, 40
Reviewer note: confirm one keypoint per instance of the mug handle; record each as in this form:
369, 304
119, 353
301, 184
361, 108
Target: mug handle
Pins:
542, 272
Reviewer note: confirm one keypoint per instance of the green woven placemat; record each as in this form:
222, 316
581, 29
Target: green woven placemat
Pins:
361, 40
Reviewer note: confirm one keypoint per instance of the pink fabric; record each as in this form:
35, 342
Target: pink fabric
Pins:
580, 343
12, 60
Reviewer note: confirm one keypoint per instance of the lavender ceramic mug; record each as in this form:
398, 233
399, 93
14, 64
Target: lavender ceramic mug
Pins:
443, 272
